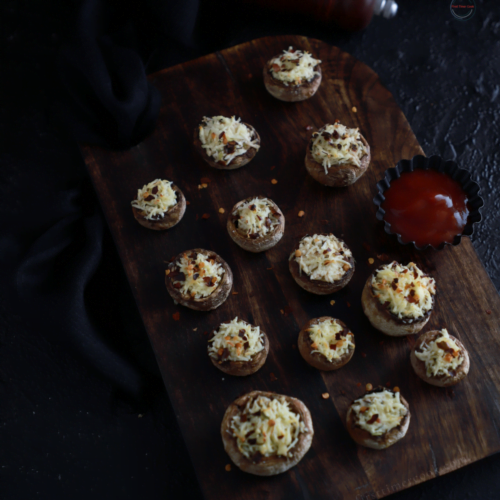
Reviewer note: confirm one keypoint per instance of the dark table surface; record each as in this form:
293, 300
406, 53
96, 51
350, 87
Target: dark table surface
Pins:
67, 428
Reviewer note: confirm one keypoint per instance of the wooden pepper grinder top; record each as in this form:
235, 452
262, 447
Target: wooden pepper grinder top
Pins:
351, 15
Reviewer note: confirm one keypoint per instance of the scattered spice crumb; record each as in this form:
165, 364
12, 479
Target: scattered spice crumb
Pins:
272, 376
235, 293
167, 271
371, 261
269, 268
325, 395
369, 387
354, 109
396, 389
287, 310
194, 329
273, 167
301, 213
359, 384
274, 181
205, 216
281, 311
221, 210
176, 316
383, 256
366, 247
309, 127
204, 185
488, 311
228, 467
188, 202
337, 121
363, 354
332, 302
348, 304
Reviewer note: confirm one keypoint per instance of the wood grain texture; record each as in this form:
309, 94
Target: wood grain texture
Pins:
449, 428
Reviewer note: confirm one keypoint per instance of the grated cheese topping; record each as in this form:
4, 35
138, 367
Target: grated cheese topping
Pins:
256, 217
155, 198
226, 138
379, 412
405, 290
294, 67
197, 275
236, 341
322, 257
441, 355
267, 426
330, 339
337, 145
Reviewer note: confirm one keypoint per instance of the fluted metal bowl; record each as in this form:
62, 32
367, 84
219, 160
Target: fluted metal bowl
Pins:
461, 175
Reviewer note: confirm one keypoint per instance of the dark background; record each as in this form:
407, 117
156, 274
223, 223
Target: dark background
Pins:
83, 410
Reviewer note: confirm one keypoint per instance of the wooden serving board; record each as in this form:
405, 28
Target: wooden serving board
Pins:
449, 428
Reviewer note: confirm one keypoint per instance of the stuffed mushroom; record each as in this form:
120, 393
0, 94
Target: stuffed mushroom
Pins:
378, 419
159, 205
326, 343
265, 433
293, 75
337, 155
321, 263
398, 299
238, 348
256, 224
440, 359
226, 143
199, 279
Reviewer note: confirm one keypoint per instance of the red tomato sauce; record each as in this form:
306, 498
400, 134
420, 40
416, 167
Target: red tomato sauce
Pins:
426, 206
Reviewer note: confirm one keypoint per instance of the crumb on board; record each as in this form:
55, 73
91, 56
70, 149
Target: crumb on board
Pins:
354, 109
221, 210
325, 395
369, 387
228, 467
301, 213
140, 415
176, 316
235, 293
281, 311
348, 304
167, 271
396, 389
371, 261
205, 216
269, 268
272, 376
488, 311
298, 253
332, 302
194, 329
274, 181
